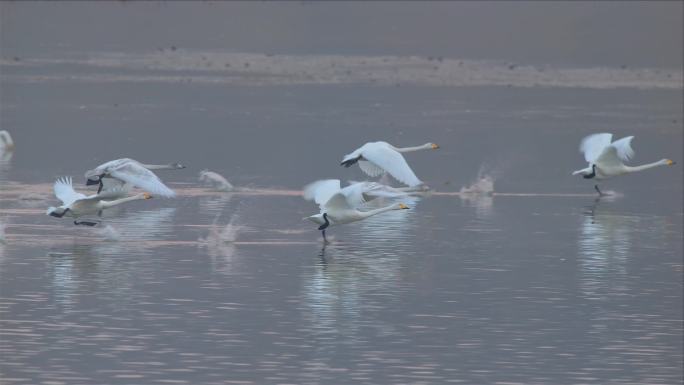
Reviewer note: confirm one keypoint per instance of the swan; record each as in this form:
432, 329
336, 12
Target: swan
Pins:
6, 142
339, 206
376, 158
216, 180
76, 205
606, 159
122, 174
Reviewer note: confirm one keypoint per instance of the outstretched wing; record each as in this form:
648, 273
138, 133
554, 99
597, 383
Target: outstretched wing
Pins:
64, 191
338, 202
370, 169
321, 191
390, 160
359, 193
137, 175
624, 148
593, 145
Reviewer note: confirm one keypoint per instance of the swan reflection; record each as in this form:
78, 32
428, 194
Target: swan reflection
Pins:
604, 249
336, 291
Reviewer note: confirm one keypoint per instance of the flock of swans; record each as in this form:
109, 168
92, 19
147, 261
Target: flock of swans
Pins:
338, 205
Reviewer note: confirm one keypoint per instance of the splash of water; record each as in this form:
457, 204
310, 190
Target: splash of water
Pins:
109, 233
215, 180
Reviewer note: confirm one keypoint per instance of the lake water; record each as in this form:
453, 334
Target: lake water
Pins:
538, 283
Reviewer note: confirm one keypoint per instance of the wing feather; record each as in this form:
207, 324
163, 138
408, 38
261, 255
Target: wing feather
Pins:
624, 148
392, 161
337, 202
593, 145
370, 169
137, 175
64, 191
321, 191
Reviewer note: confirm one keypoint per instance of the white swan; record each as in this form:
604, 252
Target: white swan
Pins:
606, 159
76, 205
6, 142
216, 180
340, 206
121, 174
376, 158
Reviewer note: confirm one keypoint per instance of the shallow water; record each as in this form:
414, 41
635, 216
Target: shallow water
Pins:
538, 282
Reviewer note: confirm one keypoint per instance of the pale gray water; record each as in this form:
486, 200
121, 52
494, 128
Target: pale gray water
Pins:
538, 284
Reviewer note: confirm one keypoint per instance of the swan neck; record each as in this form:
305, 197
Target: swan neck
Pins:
116, 202
158, 166
645, 166
414, 148
370, 213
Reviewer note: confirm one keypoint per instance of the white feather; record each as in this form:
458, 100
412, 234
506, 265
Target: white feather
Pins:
383, 156
64, 191
593, 145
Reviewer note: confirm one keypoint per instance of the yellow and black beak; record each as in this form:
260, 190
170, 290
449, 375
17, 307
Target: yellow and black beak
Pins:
670, 162
403, 206
435, 146
147, 196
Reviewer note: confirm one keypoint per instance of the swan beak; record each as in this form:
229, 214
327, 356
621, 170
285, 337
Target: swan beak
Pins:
147, 196
435, 146
669, 162
403, 206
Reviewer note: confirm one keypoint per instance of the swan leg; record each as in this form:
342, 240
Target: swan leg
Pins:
324, 238
100, 187
599, 191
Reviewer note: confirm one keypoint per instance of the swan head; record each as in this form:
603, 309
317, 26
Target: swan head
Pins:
432, 146
402, 206
177, 166
146, 196
668, 162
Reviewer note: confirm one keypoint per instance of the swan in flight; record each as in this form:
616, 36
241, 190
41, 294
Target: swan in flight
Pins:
376, 158
76, 205
121, 174
340, 205
6, 142
606, 159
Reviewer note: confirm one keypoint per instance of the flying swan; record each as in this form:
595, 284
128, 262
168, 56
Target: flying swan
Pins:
606, 159
340, 205
376, 158
121, 174
76, 205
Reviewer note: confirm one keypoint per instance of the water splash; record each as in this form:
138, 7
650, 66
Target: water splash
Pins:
215, 180
109, 233
3, 240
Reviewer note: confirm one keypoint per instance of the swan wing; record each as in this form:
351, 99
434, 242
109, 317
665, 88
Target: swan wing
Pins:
338, 202
370, 169
393, 162
592, 146
117, 185
321, 191
137, 175
64, 191
608, 159
624, 148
